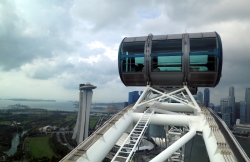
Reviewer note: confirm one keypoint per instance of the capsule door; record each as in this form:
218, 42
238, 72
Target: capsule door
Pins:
131, 61
166, 60
204, 60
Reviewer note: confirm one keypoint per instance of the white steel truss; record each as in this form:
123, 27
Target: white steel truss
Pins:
185, 118
127, 151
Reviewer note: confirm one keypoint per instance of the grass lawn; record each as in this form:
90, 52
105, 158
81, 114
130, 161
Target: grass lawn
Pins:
92, 121
39, 146
5, 122
70, 117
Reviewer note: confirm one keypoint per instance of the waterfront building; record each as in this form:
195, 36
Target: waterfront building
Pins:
81, 129
241, 127
247, 99
206, 97
200, 96
242, 112
231, 102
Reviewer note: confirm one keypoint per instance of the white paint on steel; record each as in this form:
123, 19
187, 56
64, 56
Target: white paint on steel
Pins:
192, 98
211, 145
174, 147
197, 118
167, 112
162, 96
176, 107
143, 95
142, 122
98, 151
166, 119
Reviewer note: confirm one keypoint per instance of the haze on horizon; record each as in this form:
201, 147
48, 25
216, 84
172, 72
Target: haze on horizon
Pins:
49, 47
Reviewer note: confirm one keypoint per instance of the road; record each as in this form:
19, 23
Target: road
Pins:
59, 139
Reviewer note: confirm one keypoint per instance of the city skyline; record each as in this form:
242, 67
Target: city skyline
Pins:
48, 48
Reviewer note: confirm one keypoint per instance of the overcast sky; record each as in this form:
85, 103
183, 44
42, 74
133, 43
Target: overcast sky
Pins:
49, 47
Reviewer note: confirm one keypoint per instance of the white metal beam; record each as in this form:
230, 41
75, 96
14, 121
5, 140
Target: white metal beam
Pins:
164, 155
165, 119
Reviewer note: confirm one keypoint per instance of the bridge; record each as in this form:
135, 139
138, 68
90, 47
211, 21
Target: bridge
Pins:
171, 67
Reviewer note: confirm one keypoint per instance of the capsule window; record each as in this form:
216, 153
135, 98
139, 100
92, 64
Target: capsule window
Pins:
166, 55
203, 44
133, 64
166, 63
203, 63
131, 48
166, 46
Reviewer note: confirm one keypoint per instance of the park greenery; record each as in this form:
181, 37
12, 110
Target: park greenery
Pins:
34, 144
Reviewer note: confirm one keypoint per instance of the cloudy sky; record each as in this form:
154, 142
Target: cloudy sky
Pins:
49, 47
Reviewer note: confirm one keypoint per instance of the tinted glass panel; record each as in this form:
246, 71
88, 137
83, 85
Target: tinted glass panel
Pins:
166, 64
203, 63
166, 46
203, 44
133, 64
133, 48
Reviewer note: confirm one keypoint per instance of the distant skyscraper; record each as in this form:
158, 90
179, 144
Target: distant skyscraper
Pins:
237, 110
243, 112
247, 99
81, 129
226, 118
231, 102
200, 96
206, 97
217, 109
133, 97
223, 105
211, 106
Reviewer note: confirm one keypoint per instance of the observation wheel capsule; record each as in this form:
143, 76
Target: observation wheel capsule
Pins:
194, 59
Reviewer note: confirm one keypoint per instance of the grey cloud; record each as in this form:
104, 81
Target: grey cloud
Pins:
47, 71
111, 15
194, 13
17, 48
70, 75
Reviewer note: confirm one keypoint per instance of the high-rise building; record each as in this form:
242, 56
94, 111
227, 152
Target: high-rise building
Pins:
81, 129
133, 97
247, 99
242, 112
231, 102
216, 109
227, 119
228, 110
211, 106
200, 96
237, 110
223, 105
206, 97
